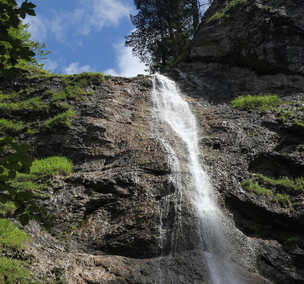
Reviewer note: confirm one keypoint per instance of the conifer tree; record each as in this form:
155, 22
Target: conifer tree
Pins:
163, 30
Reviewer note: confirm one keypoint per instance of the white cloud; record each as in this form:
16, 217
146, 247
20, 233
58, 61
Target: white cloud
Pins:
100, 13
127, 64
37, 28
74, 68
89, 15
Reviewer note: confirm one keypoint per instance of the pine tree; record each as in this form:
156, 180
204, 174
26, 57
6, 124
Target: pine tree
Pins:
163, 30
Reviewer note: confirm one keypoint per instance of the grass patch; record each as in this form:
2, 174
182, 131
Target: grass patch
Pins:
51, 166
71, 93
36, 110
249, 185
261, 103
12, 241
11, 237
224, 12
7, 208
282, 199
284, 114
285, 184
39, 178
60, 120
299, 123
14, 271
33, 104
10, 126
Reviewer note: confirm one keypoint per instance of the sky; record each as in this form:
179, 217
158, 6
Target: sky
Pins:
86, 36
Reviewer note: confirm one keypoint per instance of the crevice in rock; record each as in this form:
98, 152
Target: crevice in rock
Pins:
276, 166
256, 221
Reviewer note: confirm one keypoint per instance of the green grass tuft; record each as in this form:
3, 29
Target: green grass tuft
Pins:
282, 199
10, 126
51, 166
14, 271
285, 184
32, 104
60, 120
284, 114
255, 187
12, 241
299, 123
7, 208
11, 237
39, 178
261, 103
224, 12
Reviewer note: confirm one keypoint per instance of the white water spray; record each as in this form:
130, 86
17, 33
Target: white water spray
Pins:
175, 126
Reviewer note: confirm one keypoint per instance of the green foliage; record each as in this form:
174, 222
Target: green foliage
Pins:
60, 120
11, 237
284, 114
10, 126
42, 171
292, 243
12, 241
51, 166
299, 123
35, 110
283, 199
7, 209
285, 184
284, 111
14, 271
13, 47
261, 103
163, 30
252, 186
14, 160
33, 104
225, 11
255, 187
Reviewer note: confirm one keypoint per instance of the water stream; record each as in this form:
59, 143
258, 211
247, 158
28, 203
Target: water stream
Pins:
175, 126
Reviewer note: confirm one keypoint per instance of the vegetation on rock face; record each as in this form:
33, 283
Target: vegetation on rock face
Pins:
252, 186
12, 239
284, 190
50, 167
287, 112
224, 12
257, 102
14, 159
35, 109
13, 265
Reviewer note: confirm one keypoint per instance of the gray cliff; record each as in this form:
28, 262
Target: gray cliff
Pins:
109, 210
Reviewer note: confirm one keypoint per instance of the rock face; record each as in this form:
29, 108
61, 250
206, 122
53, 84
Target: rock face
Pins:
116, 213
241, 48
248, 46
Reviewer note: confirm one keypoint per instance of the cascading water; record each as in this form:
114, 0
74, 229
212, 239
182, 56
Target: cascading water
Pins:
175, 126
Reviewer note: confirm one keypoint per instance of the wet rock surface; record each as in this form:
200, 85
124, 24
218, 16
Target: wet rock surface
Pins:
249, 51
112, 225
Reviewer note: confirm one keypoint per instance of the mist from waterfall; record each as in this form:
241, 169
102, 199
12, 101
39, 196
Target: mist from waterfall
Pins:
175, 126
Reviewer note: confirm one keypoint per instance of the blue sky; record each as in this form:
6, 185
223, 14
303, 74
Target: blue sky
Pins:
86, 35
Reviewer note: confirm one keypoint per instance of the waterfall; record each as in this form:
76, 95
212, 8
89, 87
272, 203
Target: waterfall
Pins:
175, 126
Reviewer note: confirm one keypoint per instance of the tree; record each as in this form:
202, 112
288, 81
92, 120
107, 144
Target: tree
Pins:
163, 30
15, 45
